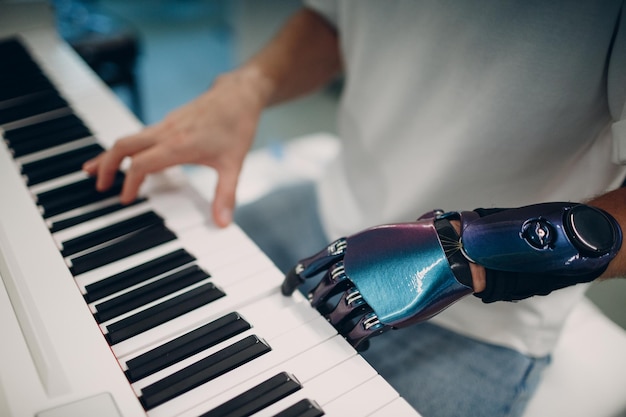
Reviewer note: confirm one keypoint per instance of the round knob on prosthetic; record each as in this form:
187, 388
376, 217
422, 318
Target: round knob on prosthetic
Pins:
591, 231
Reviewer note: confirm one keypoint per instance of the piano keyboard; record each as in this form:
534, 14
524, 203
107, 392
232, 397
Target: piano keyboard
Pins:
145, 308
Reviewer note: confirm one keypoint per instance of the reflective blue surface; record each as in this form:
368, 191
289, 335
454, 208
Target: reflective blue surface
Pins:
502, 241
402, 272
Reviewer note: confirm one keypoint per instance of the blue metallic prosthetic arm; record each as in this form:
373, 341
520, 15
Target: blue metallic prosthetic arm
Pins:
395, 275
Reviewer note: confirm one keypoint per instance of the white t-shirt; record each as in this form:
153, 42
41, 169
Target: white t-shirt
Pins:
458, 105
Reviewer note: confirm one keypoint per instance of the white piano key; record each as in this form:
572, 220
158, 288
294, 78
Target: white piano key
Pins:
275, 315
269, 318
285, 347
260, 314
36, 118
69, 260
306, 366
225, 272
151, 379
183, 217
249, 291
116, 267
57, 182
235, 280
398, 407
365, 399
230, 273
211, 239
217, 247
130, 288
327, 387
88, 208
55, 150
146, 306
227, 254
156, 377
100, 222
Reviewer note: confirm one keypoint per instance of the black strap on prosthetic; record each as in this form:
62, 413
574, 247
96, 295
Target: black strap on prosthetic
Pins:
514, 286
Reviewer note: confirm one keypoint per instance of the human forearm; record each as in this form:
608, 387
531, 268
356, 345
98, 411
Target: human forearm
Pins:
614, 203
218, 127
302, 57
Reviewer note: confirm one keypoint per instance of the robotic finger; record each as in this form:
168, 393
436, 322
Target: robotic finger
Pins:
387, 276
313, 265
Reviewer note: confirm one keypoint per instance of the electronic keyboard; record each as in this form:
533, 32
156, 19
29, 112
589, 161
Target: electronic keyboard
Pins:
146, 308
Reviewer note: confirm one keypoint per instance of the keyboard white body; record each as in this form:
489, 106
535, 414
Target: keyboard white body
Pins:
54, 360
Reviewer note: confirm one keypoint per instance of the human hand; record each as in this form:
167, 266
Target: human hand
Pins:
388, 276
216, 129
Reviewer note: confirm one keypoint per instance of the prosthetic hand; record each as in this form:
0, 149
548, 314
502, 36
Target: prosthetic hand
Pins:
395, 275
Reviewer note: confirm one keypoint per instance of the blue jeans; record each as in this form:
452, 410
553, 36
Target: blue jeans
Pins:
439, 372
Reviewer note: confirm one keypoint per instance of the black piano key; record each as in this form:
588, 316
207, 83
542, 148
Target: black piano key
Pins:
45, 127
303, 408
145, 239
137, 274
185, 346
19, 74
58, 165
17, 60
32, 105
13, 47
20, 66
145, 294
18, 85
139, 241
203, 371
81, 218
48, 126
74, 195
163, 312
109, 233
257, 398
49, 140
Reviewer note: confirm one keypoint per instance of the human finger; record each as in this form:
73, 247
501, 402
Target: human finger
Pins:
225, 196
91, 166
147, 161
108, 163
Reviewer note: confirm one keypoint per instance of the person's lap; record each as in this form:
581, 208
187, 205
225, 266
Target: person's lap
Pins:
284, 225
441, 373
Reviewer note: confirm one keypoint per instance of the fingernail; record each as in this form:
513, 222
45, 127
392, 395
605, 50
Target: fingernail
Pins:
226, 216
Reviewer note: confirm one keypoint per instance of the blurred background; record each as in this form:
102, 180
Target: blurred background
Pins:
160, 54
181, 46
